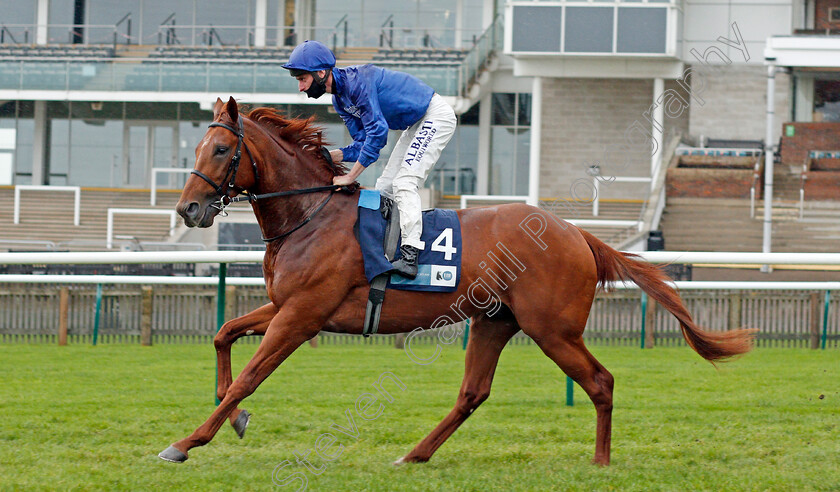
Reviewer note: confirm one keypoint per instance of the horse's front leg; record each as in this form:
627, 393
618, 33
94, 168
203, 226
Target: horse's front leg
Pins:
286, 332
254, 323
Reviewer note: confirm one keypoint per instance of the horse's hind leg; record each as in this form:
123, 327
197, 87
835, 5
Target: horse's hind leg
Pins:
254, 323
488, 336
563, 343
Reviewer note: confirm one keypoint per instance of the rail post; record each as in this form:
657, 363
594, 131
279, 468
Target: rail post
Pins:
650, 325
466, 335
825, 319
570, 392
220, 318
734, 310
644, 318
146, 315
63, 309
96, 314
814, 321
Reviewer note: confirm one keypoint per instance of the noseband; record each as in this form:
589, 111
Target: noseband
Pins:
224, 198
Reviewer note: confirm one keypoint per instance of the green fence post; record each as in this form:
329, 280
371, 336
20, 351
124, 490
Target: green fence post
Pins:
466, 335
644, 313
825, 320
96, 314
220, 317
570, 392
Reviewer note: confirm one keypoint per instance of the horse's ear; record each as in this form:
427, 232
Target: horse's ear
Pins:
217, 108
232, 110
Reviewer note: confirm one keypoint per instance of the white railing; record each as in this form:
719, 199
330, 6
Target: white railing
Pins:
728, 258
126, 280
131, 257
606, 223
162, 170
259, 281
138, 257
720, 151
75, 189
740, 285
109, 235
493, 198
613, 179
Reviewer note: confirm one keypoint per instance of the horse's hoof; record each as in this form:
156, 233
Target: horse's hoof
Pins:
399, 462
241, 423
172, 455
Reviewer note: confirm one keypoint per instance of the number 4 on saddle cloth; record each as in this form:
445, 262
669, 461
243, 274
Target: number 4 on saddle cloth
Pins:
439, 262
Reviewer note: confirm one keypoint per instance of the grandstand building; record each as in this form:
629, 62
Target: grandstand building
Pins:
554, 99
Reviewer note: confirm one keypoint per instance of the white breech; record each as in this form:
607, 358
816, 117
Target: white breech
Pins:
413, 158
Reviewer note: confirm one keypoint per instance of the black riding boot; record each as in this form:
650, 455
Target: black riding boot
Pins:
407, 264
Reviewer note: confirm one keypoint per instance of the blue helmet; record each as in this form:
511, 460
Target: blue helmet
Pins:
310, 56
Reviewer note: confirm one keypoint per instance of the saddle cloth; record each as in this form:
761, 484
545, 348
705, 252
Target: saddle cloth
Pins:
439, 263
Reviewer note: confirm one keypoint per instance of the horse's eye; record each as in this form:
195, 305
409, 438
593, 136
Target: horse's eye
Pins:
221, 150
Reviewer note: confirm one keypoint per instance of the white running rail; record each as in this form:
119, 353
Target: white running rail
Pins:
75, 189
109, 237
161, 170
615, 179
493, 198
137, 257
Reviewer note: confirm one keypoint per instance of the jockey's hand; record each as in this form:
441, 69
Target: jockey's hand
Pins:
350, 177
345, 180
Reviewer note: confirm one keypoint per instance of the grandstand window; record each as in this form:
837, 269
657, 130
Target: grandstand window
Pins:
60, 19
96, 132
24, 125
827, 100
510, 141
614, 26
8, 142
455, 172
58, 142
16, 12
416, 23
96, 147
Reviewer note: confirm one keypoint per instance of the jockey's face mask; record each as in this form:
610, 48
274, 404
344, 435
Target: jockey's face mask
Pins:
318, 87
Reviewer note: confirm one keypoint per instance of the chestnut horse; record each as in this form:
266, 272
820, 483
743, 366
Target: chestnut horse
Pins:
544, 276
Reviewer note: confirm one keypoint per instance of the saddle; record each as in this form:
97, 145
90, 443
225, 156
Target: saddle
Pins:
378, 232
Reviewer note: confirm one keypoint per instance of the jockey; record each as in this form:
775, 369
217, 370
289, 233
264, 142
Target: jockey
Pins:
371, 100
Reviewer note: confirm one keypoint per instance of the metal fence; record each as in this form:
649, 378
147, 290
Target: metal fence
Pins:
187, 314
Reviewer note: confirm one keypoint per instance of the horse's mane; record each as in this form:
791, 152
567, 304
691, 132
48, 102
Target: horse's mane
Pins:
302, 132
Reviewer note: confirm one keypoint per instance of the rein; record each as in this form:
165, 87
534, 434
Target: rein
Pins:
225, 199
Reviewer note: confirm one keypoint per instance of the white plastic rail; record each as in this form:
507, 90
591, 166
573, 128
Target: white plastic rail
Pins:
493, 198
75, 189
137, 257
160, 170
109, 238
613, 179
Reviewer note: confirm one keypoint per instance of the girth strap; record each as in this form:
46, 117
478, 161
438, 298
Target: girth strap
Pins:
377, 287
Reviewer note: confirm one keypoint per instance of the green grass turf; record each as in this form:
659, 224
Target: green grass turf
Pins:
85, 418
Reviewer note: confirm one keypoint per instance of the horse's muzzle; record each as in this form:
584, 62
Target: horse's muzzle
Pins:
196, 214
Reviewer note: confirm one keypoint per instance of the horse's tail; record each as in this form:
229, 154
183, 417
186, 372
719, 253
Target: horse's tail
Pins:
614, 265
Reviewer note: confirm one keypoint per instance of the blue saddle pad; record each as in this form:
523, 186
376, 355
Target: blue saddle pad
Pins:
439, 264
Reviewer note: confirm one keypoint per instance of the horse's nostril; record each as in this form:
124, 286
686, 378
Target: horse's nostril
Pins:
192, 209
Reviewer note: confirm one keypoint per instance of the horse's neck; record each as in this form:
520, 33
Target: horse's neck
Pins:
277, 216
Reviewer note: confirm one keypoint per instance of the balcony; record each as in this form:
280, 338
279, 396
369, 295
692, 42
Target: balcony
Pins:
813, 51
181, 76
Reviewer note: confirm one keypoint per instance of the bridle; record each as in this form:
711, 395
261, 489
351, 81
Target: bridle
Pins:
225, 199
